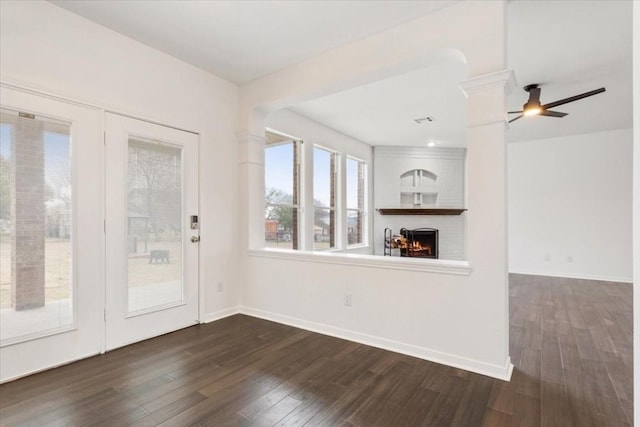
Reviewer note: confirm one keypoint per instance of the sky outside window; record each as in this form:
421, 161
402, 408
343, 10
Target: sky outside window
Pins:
322, 177
352, 184
278, 170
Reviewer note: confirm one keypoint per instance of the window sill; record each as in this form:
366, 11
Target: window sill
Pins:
357, 246
461, 268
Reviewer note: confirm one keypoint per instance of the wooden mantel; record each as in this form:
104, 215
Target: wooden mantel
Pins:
420, 211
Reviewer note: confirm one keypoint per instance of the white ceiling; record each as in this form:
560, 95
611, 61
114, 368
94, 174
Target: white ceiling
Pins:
569, 47
572, 47
244, 40
383, 113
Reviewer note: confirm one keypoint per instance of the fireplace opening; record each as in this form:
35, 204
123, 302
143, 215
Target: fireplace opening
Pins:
416, 243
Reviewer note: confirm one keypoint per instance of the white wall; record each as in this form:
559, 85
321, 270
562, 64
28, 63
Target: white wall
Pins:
314, 133
448, 312
47, 48
570, 206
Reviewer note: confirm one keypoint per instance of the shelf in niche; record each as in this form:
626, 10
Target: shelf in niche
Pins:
420, 211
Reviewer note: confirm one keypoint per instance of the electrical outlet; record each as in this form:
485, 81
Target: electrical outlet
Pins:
220, 285
570, 258
547, 257
347, 300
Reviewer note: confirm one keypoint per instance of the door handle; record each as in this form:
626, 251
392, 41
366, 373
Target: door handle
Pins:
195, 239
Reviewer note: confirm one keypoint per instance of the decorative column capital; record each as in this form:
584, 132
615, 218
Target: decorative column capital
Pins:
251, 148
486, 96
500, 79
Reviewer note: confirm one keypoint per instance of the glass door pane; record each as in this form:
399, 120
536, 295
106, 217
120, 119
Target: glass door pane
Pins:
154, 225
36, 281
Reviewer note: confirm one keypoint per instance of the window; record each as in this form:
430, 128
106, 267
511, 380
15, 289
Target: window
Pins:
315, 196
36, 290
281, 177
324, 199
356, 187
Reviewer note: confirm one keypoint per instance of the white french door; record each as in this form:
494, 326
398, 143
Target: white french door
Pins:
51, 233
152, 230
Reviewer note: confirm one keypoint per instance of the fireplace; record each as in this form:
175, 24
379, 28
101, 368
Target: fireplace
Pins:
416, 243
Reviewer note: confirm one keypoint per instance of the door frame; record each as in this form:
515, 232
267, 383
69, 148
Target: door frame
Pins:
85, 336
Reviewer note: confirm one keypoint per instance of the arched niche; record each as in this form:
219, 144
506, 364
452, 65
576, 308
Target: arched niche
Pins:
418, 187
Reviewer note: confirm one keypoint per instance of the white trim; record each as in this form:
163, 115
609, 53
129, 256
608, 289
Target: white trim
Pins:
19, 339
373, 261
282, 134
11, 83
500, 79
488, 369
49, 367
355, 246
573, 275
220, 314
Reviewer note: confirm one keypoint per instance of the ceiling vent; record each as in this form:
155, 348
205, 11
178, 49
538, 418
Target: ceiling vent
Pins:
424, 119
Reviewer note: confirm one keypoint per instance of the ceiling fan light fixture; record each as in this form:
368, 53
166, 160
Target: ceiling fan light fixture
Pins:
531, 108
532, 111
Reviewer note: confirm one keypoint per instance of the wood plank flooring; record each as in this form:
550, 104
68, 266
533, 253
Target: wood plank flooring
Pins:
571, 344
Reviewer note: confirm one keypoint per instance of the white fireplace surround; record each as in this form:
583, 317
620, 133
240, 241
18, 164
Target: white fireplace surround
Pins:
433, 176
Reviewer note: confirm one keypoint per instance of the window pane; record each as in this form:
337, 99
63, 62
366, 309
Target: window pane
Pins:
355, 201
323, 178
281, 196
324, 219
324, 228
280, 227
154, 217
279, 170
35, 226
354, 227
352, 183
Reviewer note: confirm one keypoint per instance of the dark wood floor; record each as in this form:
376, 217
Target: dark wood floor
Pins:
571, 343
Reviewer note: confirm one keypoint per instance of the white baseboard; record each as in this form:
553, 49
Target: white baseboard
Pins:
220, 314
495, 371
13, 377
573, 275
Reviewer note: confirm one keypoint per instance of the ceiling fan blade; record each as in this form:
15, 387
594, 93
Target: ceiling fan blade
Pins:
549, 113
572, 98
515, 112
515, 118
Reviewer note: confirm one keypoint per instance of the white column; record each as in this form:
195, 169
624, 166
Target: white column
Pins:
487, 191
251, 174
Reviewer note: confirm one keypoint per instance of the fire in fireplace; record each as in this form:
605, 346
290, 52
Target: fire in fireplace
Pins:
417, 243
421, 243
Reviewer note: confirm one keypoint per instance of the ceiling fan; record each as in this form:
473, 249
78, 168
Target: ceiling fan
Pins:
534, 108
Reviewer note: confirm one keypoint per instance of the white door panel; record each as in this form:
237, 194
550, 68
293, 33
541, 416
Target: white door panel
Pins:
152, 192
